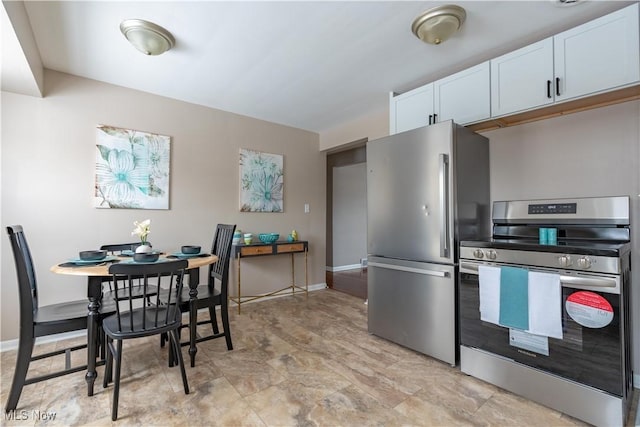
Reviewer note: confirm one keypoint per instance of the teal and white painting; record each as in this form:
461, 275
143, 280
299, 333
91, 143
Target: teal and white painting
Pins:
132, 169
261, 181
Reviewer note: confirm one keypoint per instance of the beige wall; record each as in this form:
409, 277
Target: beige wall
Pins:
47, 177
371, 126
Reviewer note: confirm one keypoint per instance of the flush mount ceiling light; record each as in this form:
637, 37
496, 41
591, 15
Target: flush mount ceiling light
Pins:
147, 37
565, 3
438, 24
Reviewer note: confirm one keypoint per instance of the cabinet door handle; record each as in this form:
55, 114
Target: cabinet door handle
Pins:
434, 118
430, 118
557, 86
549, 89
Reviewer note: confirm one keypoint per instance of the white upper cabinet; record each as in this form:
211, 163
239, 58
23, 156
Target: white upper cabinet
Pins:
464, 97
411, 110
522, 79
599, 55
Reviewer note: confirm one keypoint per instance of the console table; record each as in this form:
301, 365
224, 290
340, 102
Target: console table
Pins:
241, 250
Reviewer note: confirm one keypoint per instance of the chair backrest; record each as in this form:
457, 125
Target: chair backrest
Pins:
148, 278
221, 247
117, 249
27, 287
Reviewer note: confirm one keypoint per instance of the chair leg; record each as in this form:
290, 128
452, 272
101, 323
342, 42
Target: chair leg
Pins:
25, 350
102, 343
175, 338
163, 339
108, 367
224, 309
172, 352
214, 319
116, 388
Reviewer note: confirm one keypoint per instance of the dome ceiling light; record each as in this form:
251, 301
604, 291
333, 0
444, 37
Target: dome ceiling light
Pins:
436, 25
147, 37
566, 3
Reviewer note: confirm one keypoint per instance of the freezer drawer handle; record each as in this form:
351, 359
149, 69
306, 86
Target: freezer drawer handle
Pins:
410, 269
444, 205
595, 282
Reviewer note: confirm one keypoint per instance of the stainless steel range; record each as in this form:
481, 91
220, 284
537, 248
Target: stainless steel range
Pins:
550, 320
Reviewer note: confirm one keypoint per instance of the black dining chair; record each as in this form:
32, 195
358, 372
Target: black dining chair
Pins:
136, 320
119, 249
210, 296
36, 321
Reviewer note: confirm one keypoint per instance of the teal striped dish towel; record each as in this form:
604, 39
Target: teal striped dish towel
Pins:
514, 298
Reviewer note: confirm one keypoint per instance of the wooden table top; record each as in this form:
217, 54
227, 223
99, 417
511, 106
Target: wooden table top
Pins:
103, 268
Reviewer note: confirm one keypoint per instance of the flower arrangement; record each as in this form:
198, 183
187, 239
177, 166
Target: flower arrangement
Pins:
142, 230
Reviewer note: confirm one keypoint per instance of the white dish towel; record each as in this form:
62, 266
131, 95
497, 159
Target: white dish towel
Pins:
545, 304
489, 278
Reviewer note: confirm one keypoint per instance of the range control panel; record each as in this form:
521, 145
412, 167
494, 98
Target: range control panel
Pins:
552, 208
559, 262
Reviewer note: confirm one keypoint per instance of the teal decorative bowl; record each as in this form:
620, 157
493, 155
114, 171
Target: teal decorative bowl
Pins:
268, 237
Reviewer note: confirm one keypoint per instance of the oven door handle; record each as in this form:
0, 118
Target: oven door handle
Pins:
468, 268
592, 282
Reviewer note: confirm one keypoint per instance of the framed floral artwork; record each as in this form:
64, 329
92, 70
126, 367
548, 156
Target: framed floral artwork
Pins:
261, 182
132, 169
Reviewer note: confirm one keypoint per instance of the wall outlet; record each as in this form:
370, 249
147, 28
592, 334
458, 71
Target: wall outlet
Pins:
363, 263
306, 208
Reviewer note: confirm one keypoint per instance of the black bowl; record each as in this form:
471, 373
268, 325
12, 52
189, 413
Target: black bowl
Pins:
190, 249
93, 255
146, 257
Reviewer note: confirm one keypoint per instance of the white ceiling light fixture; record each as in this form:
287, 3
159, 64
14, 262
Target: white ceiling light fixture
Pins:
565, 3
436, 25
147, 37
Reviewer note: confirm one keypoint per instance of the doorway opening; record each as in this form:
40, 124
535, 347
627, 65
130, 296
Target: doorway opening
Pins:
346, 220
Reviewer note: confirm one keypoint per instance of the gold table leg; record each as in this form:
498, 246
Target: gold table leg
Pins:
293, 276
238, 294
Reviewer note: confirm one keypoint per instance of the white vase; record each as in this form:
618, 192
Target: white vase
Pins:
144, 248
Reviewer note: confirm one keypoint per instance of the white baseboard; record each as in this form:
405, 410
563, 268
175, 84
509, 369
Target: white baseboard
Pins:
636, 383
344, 267
13, 344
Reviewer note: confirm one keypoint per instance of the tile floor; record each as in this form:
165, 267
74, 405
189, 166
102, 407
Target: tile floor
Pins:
296, 362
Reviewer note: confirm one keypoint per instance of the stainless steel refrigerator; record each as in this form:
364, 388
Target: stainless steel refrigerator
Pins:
427, 189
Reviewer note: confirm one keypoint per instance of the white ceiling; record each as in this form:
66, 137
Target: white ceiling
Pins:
310, 65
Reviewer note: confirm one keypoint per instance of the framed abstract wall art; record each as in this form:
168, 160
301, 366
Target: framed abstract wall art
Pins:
261, 181
132, 169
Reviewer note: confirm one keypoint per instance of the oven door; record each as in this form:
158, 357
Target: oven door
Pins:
591, 351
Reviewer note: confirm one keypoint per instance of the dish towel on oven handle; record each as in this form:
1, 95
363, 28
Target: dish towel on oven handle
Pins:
514, 298
489, 278
545, 304
544, 301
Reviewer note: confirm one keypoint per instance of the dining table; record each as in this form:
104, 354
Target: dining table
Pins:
96, 273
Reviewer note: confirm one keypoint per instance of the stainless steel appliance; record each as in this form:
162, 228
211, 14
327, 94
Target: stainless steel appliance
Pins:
426, 189
587, 373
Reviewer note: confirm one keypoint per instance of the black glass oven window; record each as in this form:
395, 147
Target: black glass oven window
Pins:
591, 356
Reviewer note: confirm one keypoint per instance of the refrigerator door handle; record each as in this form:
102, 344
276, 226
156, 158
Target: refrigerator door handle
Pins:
444, 205
409, 269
